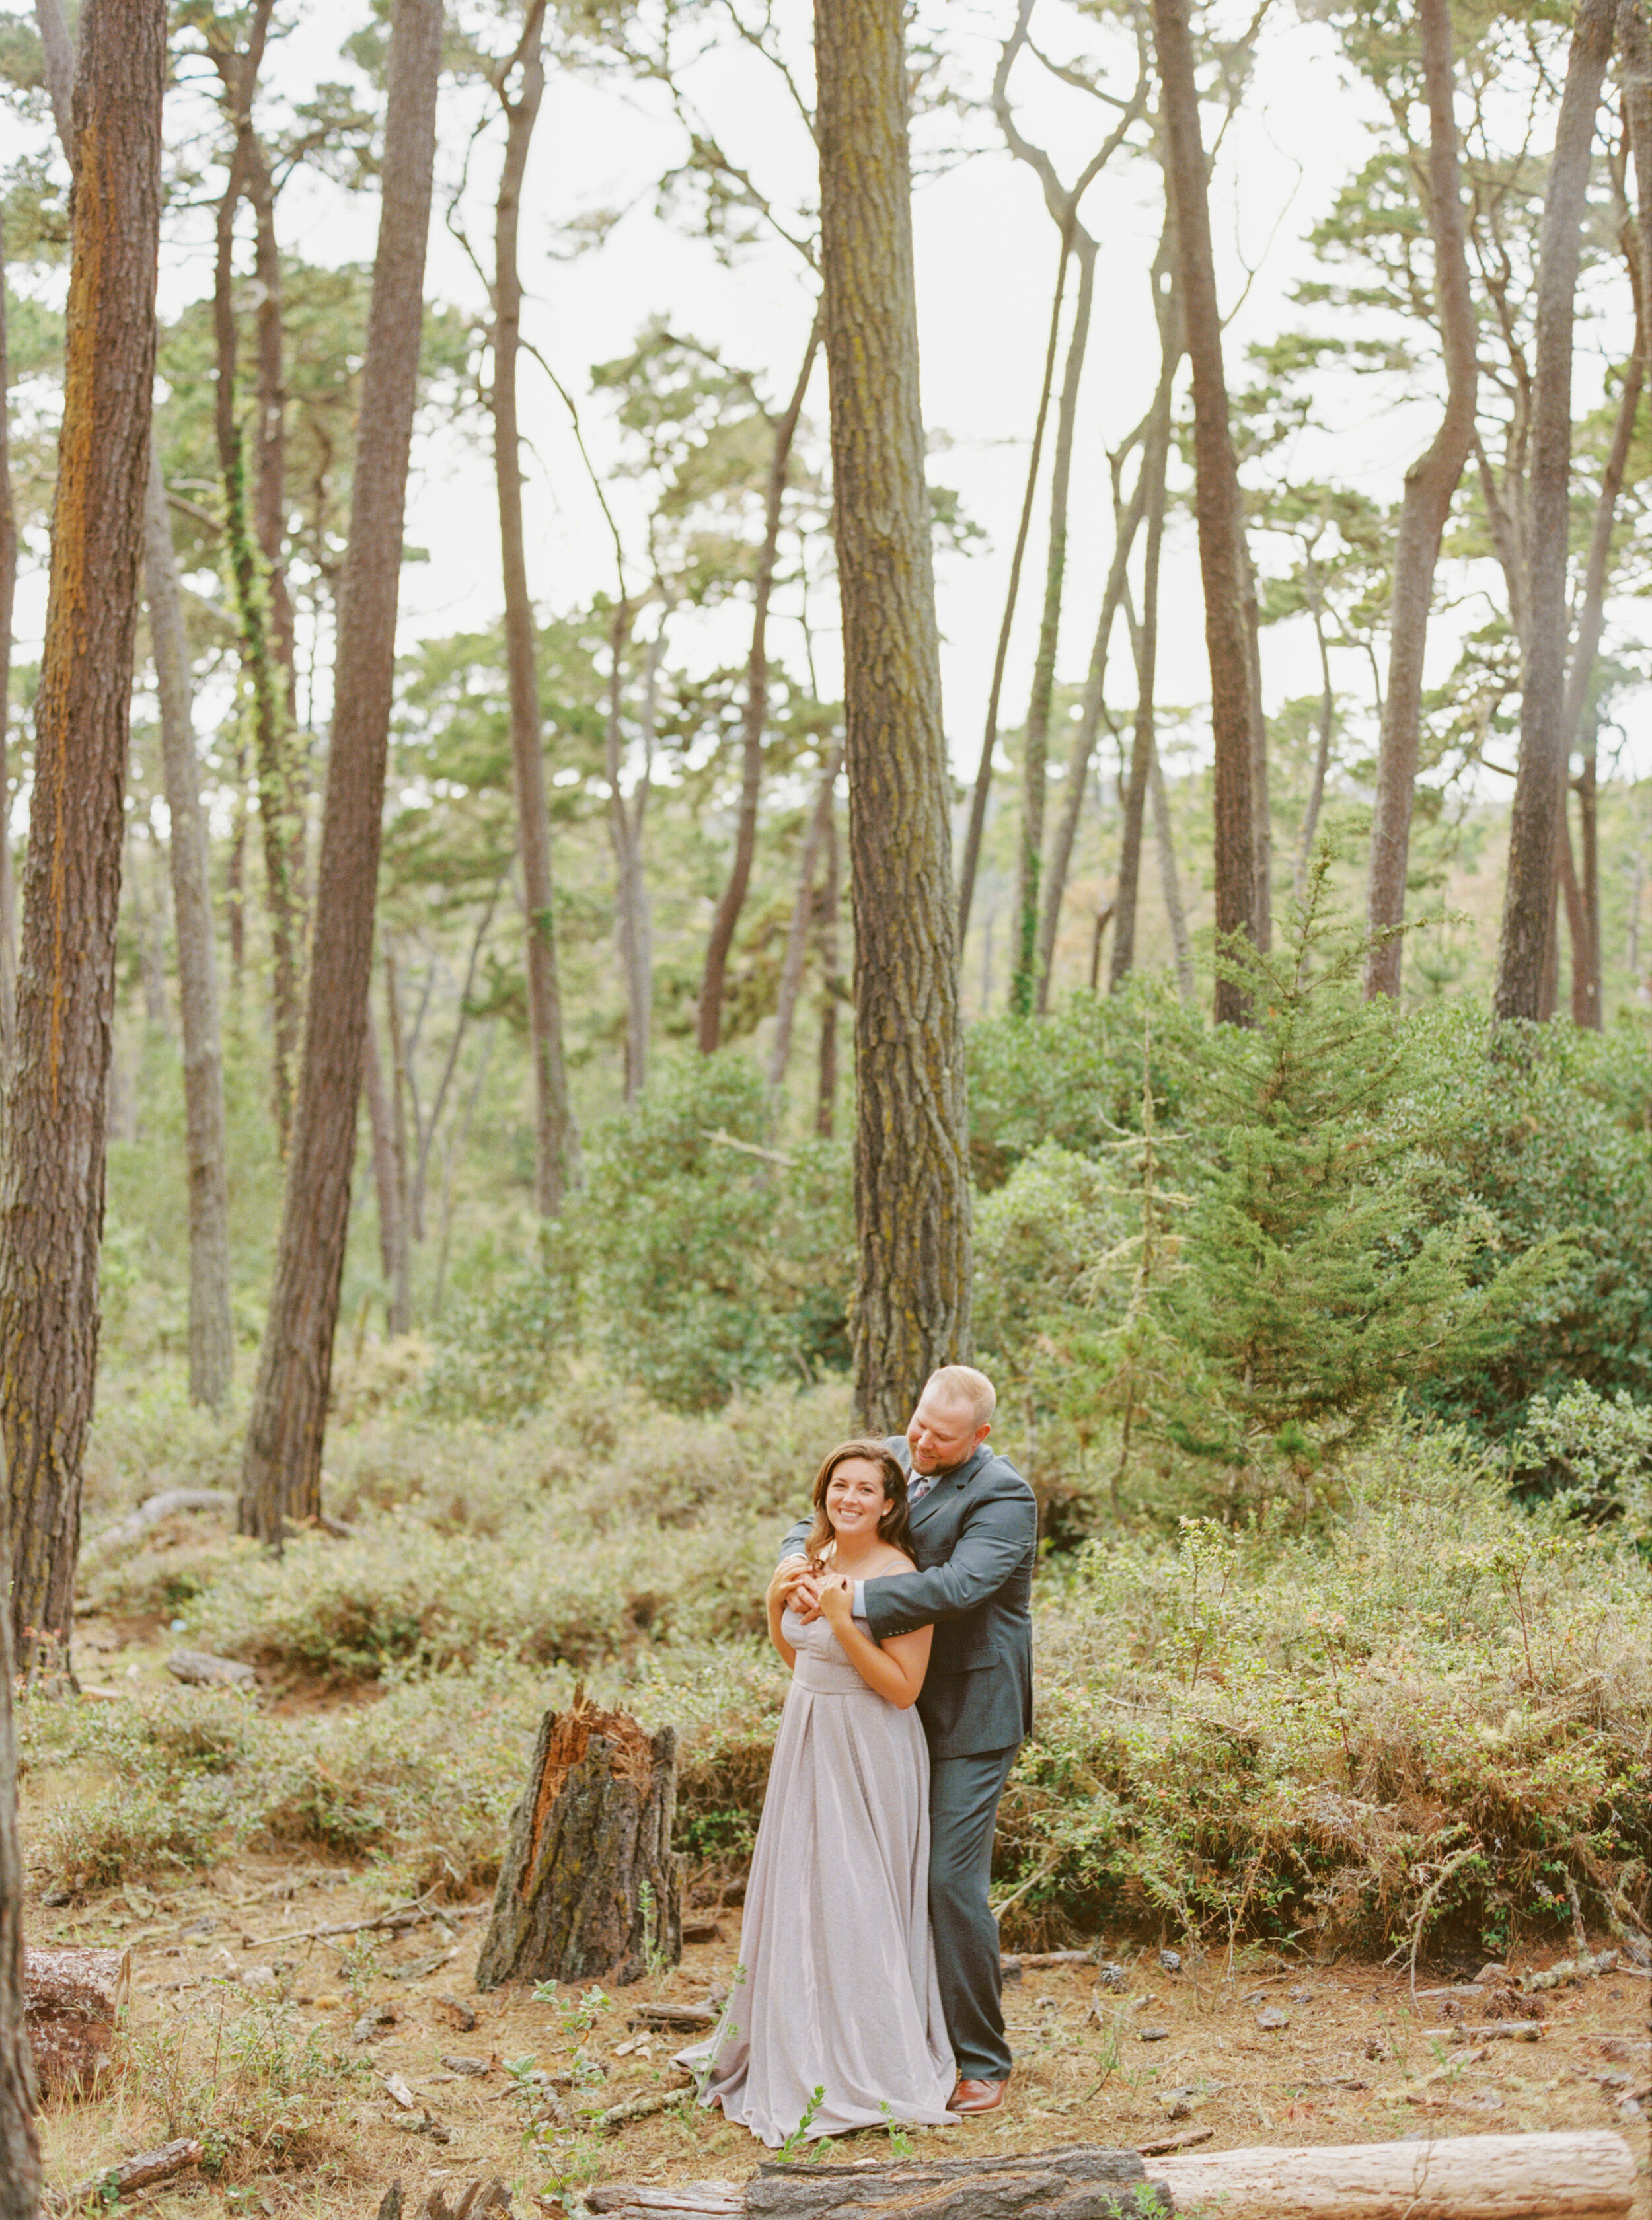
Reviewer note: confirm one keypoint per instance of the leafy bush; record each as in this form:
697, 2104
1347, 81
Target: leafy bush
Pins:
698, 1260
1552, 1141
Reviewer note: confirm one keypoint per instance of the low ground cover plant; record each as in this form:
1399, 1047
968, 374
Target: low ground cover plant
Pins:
1426, 1701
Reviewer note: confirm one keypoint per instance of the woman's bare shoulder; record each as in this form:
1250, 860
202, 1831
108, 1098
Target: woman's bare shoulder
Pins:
897, 1561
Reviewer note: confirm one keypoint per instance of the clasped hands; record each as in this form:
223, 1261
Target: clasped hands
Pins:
812, 1593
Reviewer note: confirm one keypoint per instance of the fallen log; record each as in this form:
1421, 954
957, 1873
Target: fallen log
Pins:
71, 2001
1549, 2177
1541, 2177
1084, 2183
590, 1887
642, 2108
679, 2019
141, 2171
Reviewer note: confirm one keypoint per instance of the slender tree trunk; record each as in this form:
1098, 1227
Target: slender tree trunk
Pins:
1035, 746
791, 972
281, 1475
1170, 879
452, 1155
989, 737
631, 889
1310, 825
1528, 895
212, 1335
392, 1218
7, 599
425, 1129
912, 1185
1155, 463
1077, 780
555, 1145
401, 1306
269, 438
1261, 822
756, 717
826, 1085
51, 1199
1583, 921
1126, 524
1581, 716
1430, 485
1216, 499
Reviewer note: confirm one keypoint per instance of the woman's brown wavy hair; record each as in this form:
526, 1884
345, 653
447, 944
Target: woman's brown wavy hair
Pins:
894, 1527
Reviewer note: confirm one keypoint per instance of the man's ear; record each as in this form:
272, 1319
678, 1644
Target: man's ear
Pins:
982, 1435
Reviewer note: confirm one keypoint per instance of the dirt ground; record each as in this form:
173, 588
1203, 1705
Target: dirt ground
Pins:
229, 1977
1166, 2053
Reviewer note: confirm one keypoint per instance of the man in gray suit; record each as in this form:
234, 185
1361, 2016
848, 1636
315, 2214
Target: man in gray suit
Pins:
974, 1536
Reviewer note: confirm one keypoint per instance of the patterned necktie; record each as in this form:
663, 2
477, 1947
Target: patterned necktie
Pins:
921, 1487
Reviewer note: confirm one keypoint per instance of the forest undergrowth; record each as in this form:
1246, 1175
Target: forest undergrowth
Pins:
1412, 1711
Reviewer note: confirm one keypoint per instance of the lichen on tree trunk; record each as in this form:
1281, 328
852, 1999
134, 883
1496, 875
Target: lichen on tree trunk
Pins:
589, 1888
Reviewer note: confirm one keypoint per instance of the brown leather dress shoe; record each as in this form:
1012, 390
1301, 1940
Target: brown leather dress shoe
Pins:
977, 2097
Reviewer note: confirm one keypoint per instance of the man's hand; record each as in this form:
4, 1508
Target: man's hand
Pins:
796, 1583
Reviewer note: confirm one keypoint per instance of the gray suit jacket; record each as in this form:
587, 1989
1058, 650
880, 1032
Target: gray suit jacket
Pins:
975, 1539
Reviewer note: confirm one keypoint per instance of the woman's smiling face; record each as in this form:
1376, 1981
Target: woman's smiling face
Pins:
855, 1499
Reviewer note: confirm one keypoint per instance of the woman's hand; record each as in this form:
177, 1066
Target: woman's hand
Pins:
793, 1584
836, 1602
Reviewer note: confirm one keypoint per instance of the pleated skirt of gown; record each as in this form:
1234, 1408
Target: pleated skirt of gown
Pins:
838, 1989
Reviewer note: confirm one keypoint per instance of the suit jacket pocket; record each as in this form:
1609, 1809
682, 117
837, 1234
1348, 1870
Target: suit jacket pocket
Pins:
973, 1654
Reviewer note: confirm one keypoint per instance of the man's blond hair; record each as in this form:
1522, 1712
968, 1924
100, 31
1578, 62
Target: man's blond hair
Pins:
971, 1390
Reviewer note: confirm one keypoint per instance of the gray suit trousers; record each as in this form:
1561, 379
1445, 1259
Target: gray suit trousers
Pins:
963, 1793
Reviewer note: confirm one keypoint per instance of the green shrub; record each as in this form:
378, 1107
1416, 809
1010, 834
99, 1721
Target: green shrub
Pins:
698, 1260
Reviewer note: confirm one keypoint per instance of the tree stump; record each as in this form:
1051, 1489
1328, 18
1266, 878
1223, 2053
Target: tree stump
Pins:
589, 1888
72, 1999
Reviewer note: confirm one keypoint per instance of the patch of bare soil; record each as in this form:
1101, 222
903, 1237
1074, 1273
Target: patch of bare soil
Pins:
1262, 2052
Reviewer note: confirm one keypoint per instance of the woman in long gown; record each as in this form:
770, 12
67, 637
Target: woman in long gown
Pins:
837, 1991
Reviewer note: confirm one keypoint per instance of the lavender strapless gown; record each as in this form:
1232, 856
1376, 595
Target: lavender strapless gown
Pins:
838, 1989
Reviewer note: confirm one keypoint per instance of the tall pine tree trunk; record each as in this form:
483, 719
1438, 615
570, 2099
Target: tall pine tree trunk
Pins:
1431, 483
755, 717
912, 1191
1539, 792
212, 1336
1216, 497
995, 693
8, 598
555, 1145
281, 1475
1155, 464
52, 1197
1035, 745
267, 683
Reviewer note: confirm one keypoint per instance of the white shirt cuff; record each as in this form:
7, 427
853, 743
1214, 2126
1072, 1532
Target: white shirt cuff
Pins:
858, 1603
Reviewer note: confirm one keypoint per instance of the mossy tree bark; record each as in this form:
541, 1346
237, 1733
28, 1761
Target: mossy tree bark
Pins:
212, 1335
589, 1887
281, 1475
1431, 484
1216, 497
253, 539
51, 1199
912, 1191
555, 1144
1539, 786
